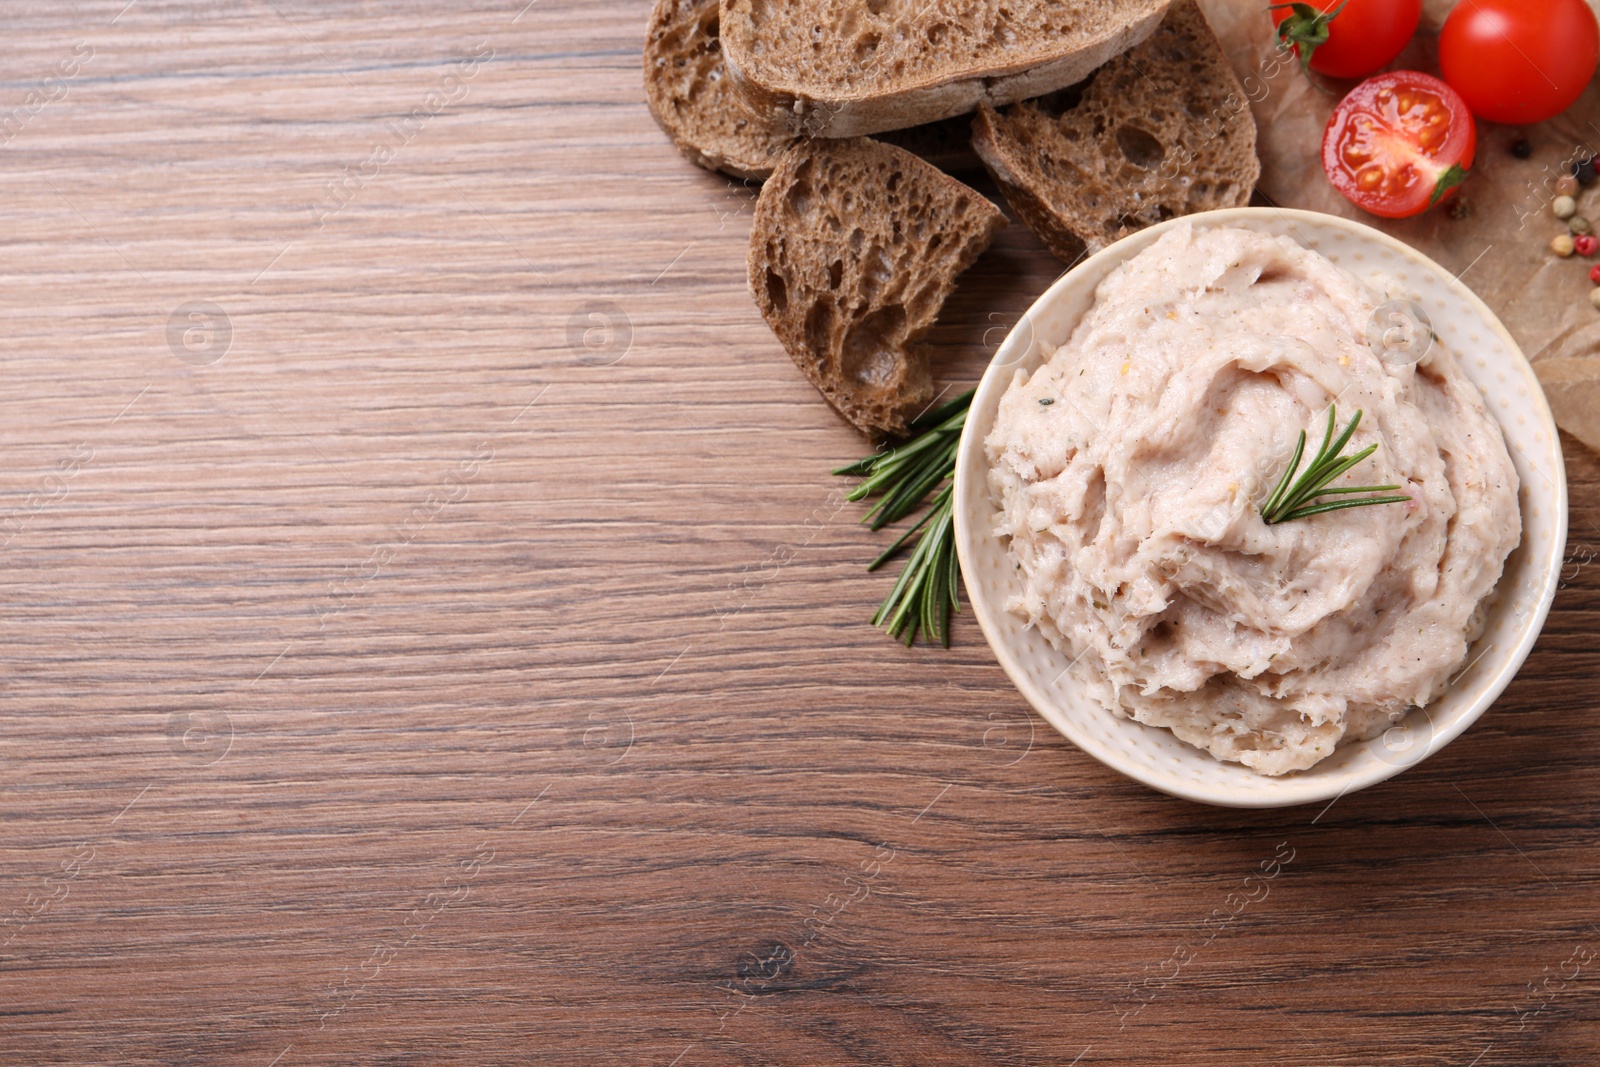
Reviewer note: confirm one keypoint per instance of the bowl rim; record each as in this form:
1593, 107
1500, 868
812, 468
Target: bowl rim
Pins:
1295, 789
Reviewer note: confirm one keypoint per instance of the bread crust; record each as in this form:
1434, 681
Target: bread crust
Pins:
818, 106
692, 99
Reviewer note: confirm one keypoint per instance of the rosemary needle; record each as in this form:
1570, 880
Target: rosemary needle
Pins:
1299, 498
928, 590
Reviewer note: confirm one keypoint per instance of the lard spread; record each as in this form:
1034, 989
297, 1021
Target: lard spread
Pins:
1130, 470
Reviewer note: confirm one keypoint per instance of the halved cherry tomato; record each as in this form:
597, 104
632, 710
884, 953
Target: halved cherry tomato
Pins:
1399, 143
1348, 38
1519, 61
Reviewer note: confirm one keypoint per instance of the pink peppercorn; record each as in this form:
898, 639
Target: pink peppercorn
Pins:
1594, 275
1586, 245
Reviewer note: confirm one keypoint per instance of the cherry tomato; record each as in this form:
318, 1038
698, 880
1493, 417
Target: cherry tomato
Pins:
1519, 61
1399, 143
1350, 39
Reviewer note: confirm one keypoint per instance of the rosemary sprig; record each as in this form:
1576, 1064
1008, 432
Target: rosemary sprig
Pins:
927, 591
1299, 498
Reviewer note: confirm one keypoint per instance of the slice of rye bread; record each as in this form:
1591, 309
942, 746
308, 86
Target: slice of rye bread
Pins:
687, 89
1164, 130
854, 248
841, 68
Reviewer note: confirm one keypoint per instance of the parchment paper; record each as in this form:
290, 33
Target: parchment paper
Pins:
1496, 241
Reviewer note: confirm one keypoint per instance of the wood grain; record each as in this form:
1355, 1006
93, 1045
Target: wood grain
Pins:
449, 673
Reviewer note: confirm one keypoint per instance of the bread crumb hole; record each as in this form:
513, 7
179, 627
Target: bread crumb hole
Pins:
819, 328
868, 353
799, 198
1139, 147
777, 292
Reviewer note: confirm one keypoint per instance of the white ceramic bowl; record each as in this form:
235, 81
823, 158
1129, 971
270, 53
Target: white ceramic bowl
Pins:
1516, 610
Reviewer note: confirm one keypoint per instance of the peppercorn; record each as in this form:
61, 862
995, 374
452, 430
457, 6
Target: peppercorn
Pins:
1522, 148
1562, 245
1586, 245
1594, 274
1578, 225
1563, 207
1566, 185
1584, 171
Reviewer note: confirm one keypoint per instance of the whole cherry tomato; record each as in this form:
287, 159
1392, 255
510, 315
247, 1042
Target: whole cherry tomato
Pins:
1350, 39
1519, 61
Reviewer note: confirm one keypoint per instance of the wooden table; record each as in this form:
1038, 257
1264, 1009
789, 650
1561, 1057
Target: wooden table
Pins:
432, 634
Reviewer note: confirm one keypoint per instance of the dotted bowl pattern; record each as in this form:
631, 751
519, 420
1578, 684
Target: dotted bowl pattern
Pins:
1516, 610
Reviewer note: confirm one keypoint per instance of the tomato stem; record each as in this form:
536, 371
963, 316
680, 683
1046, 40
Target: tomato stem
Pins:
1447, 181
1306, 30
